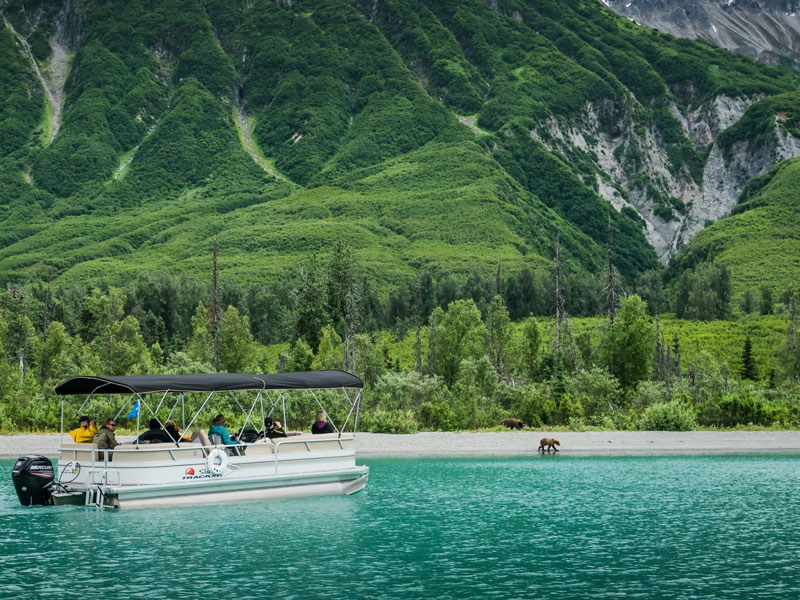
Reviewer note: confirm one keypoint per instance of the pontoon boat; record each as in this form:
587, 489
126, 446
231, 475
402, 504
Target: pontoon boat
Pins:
136, 474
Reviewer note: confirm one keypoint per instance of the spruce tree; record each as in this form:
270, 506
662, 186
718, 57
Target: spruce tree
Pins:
748, 362
766, 301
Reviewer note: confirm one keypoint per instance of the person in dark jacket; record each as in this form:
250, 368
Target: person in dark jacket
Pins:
105, 438
154, 434
321, 424
273, 429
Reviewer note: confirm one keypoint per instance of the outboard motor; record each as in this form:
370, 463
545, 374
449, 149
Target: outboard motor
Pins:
33, 476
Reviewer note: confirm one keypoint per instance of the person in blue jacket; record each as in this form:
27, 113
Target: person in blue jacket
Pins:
218, 428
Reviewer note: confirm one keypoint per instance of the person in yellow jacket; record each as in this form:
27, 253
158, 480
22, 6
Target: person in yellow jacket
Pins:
84, 433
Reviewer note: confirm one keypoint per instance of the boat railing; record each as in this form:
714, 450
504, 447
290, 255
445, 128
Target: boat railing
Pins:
292, 446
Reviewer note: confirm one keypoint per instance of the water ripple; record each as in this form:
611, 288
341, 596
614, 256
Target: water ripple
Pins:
587, 527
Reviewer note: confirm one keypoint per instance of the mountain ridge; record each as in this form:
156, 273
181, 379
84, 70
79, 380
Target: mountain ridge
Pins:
577, 111
767, 30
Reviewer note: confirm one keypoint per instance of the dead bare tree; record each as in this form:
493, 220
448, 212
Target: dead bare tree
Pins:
562, 319
213, 309
611, 284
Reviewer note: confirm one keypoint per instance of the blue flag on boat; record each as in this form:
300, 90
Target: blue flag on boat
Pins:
134, 411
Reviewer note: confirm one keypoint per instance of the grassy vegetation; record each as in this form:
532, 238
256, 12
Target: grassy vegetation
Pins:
23, 101
356, 105
406, 215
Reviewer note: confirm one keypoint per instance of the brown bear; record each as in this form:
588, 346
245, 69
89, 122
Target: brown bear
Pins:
549, 443
512, 423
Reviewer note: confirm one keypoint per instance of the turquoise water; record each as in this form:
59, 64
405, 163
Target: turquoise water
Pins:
539, 527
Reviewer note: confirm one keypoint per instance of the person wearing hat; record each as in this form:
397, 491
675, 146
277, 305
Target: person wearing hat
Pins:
154, 434
273, 429
84, 432
218, 428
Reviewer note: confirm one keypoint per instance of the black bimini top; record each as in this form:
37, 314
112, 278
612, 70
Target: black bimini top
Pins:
209, 382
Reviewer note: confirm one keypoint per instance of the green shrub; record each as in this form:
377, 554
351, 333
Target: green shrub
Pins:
668, 416
388, 421
648, 393
437, 415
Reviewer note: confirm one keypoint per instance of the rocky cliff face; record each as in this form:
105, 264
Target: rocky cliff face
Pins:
726, 173
768, 30
634, 169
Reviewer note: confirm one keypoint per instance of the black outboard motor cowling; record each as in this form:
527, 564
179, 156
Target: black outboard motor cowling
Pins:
32, 477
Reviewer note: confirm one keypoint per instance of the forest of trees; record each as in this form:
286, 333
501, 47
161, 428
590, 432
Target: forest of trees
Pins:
438, 353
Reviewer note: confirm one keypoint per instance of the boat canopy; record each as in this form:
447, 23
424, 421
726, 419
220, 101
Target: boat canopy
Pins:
209, 382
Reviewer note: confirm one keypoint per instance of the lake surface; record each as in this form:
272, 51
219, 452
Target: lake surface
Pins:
538, 527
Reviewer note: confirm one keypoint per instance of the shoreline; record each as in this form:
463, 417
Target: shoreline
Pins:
508, 443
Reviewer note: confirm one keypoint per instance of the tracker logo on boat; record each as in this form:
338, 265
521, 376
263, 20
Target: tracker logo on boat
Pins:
202, 473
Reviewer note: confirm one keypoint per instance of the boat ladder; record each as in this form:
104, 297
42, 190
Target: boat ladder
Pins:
96, 493
95, 496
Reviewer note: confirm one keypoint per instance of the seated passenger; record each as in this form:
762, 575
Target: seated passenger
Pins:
321, 425
218, 429
105, 438
84, 433
273, 429
154, 434
174, 433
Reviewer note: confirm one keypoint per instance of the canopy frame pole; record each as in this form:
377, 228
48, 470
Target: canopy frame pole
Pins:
61, 439
244, 412
199, 410
261, 398
138, 412
155, 416
358, 410
327, 416
273, 404
169, 416
349, 414
183, 407
252, 408
283, 402
162, 401
92, 393
124, 406
174, 406
183, 411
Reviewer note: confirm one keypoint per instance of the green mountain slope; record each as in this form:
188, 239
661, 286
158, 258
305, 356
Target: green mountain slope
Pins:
425, 134
760, 241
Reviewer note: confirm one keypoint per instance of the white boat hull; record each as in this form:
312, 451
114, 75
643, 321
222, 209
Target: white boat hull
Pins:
168, 475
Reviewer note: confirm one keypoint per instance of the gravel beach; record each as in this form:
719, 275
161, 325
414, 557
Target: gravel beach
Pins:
511, 443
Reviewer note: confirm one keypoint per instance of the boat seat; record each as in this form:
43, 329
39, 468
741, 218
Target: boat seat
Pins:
316, 442
77, 452
199, 434
216, 440
259, 448
145, 452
